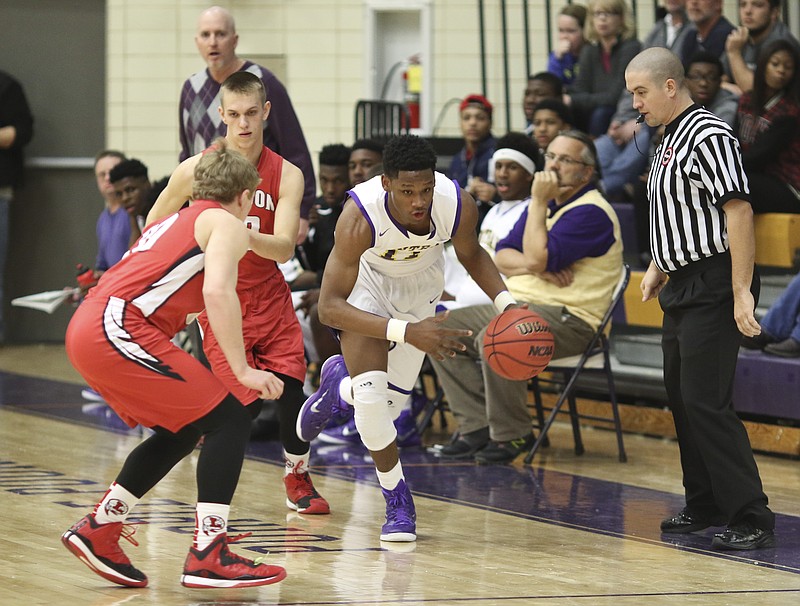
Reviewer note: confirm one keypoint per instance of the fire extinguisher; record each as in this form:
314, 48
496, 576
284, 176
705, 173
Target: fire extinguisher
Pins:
412, 86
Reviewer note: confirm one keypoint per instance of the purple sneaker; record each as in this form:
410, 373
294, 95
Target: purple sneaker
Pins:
341, 434
323, 403
401, 516
407, 434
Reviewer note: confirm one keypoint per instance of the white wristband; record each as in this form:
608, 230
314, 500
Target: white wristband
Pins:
396, 330
503, 300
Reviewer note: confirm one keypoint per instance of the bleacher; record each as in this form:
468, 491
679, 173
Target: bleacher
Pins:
766, 387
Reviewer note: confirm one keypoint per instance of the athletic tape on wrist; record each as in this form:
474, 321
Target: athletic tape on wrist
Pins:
503, 300
396, 330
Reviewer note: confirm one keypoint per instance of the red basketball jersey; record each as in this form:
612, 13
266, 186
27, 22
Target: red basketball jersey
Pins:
162, 274
253, 269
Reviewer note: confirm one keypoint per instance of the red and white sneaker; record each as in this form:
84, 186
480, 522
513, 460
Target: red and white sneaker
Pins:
97, 546
302, 496
217, 566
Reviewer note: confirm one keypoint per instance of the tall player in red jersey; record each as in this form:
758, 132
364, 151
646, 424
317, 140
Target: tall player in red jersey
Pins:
120, 340
272, 336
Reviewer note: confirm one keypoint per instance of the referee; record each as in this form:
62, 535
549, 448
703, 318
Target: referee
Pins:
701, 227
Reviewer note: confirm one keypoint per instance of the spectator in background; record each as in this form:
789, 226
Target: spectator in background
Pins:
542, 85
563, 258
670, 31
132, 186
760, 25
16, 131
601, 68
768, 127
550, 117
334, 183
113, 224
708, 30
704, 80
563, 60
470, 166
365, 154
623, 148
216, 40
780, 326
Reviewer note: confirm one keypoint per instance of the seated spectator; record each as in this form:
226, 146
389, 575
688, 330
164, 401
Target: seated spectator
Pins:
768, 127
470, 166
623, 148
132, 185
780, 326
704, 79
563, 59
760, 25
113, 224
670, 31
550, 117
541, 86
334, 183
364, 155
513, 165
708, 30
566, 272
601, 68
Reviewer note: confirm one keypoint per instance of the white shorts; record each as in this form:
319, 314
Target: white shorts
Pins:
412, 298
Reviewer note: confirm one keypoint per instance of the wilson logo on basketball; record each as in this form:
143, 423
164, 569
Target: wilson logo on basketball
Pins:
529, 328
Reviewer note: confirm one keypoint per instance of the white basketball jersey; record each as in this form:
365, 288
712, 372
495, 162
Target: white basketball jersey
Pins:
396, 251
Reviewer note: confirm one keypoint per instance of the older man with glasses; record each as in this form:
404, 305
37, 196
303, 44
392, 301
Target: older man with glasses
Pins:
562, 258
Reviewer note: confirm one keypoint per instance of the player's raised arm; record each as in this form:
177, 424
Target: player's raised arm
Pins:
279, 246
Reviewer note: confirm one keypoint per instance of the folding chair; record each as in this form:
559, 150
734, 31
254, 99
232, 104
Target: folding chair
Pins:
595, 358
380, 119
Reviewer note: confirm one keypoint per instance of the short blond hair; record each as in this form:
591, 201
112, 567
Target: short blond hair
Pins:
222, 174
618, 7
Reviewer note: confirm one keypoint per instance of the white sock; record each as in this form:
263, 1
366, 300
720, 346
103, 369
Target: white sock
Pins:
211, 520
115, 505
390, 479
346, 390
295, 463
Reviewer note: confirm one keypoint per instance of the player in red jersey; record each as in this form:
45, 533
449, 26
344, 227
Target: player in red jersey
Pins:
120, 341
273, 338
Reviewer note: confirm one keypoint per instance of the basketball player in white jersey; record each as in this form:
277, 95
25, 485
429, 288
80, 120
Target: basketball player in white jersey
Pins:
381, 285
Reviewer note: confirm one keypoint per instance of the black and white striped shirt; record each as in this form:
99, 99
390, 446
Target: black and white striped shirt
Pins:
695, 170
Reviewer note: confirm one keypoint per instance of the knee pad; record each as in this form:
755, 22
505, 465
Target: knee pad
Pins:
398, 402
373, 420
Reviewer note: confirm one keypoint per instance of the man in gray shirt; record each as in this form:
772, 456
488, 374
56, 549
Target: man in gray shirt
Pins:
760, 25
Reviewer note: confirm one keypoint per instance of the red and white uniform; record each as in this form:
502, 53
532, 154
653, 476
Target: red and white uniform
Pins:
273, 339
120, 336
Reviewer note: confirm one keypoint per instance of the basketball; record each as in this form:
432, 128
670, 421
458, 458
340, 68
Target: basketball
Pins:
518, 344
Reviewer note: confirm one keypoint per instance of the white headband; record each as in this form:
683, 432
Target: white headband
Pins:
506, 153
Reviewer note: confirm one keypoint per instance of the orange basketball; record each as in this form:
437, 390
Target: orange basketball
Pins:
518, 344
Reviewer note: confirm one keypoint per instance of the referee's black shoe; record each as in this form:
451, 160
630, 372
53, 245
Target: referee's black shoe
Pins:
744, 537
684, 522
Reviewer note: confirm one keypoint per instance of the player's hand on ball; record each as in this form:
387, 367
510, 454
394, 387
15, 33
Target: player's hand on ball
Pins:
434, 339
268, 386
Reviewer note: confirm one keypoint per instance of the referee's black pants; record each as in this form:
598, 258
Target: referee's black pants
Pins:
700, 345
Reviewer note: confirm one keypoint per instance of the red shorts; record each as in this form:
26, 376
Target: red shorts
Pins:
273, 339
142, 375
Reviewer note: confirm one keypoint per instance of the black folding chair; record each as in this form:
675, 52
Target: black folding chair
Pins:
565, 373
380, 119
